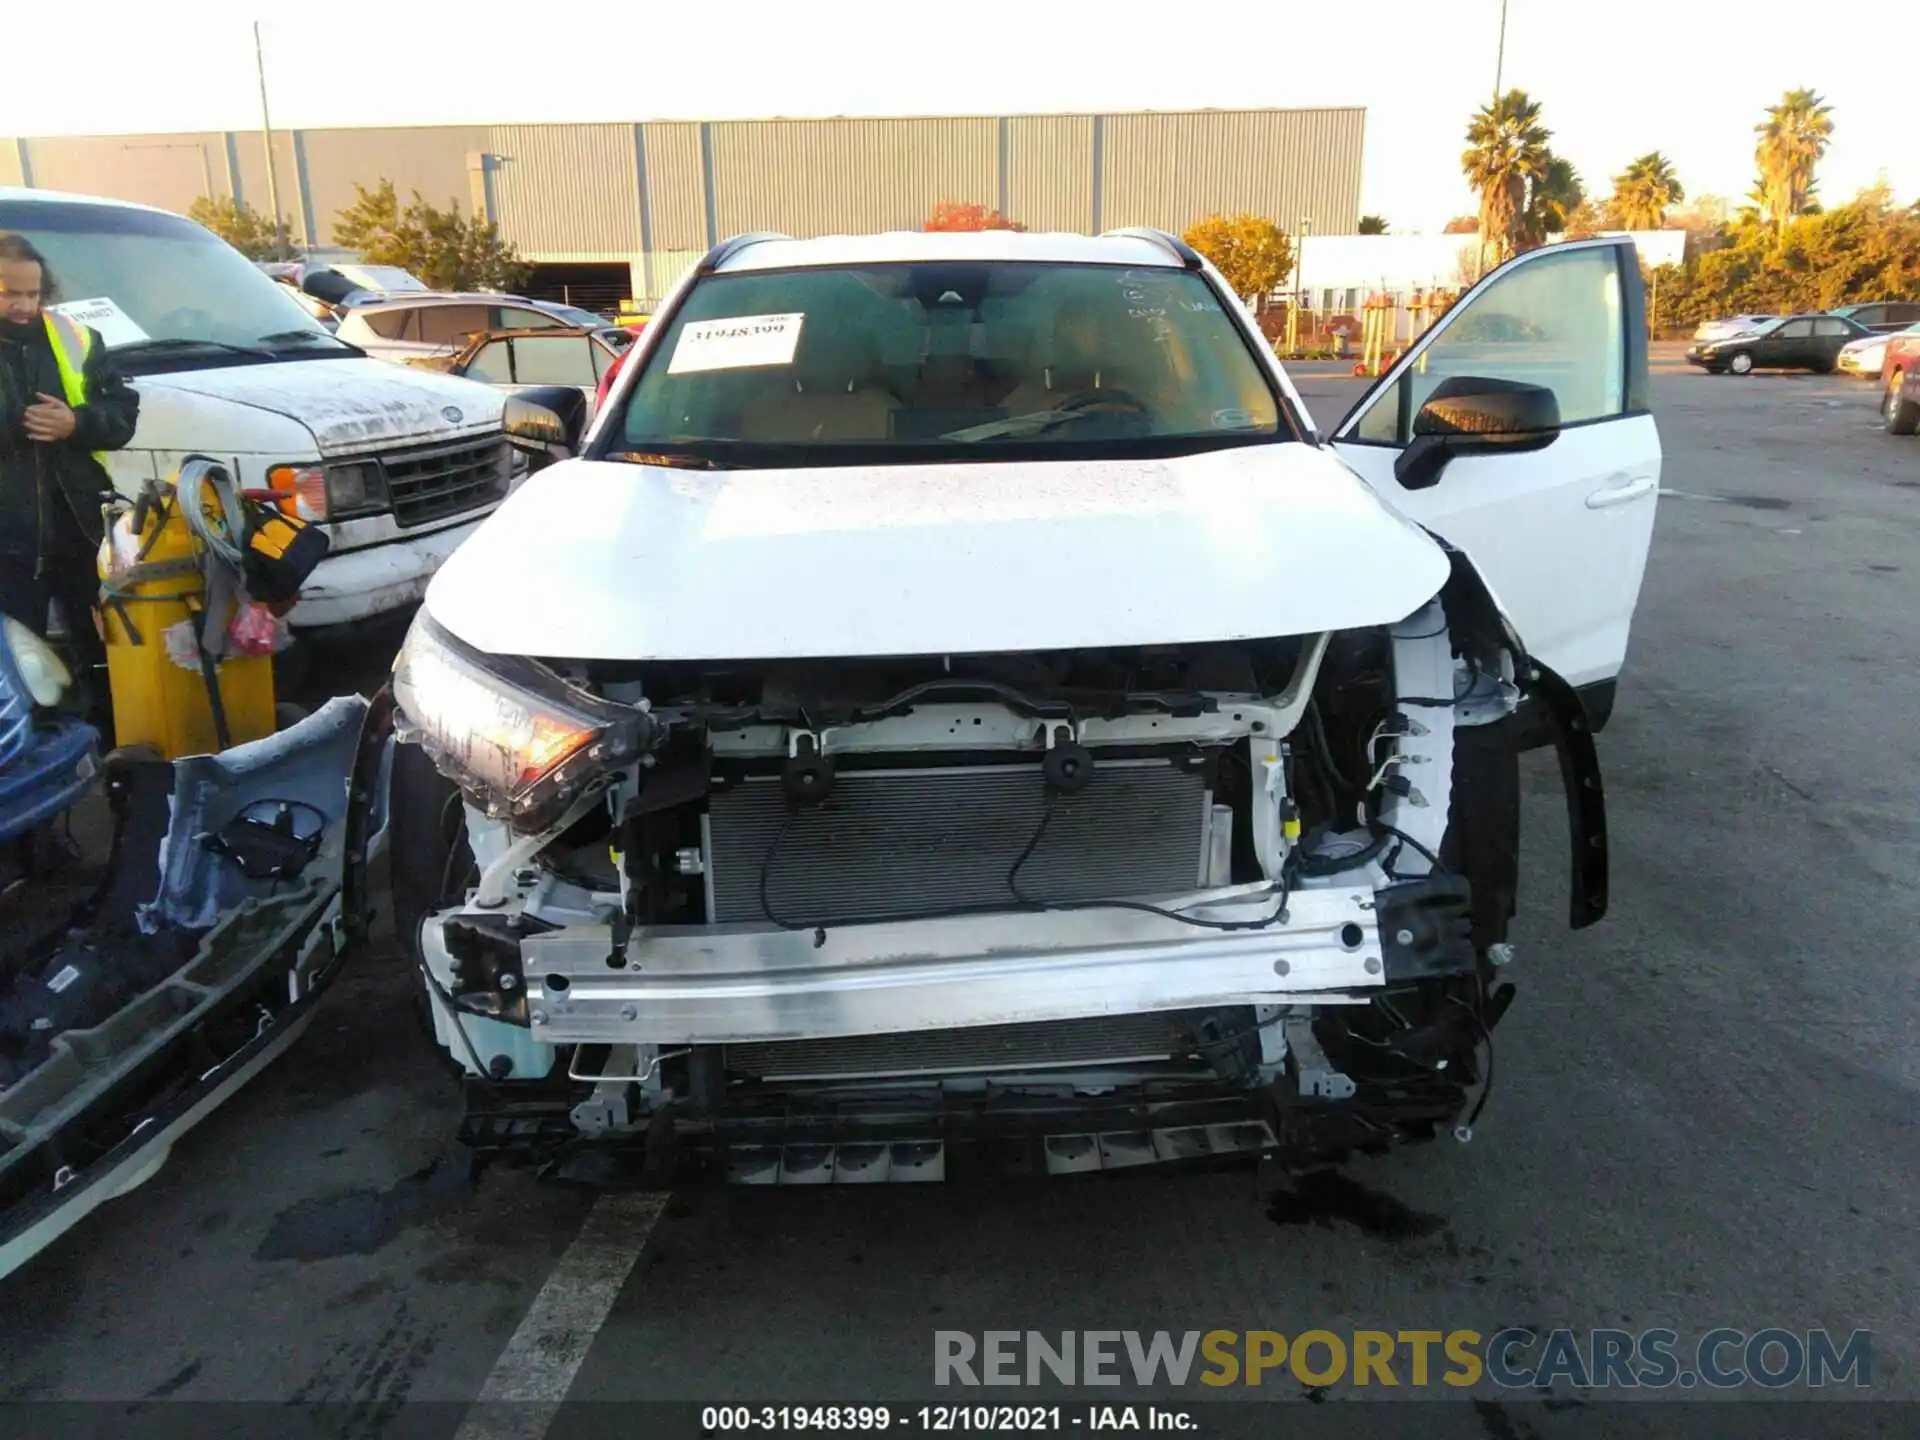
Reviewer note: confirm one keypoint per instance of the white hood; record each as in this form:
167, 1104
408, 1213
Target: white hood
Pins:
348, 406
612, 561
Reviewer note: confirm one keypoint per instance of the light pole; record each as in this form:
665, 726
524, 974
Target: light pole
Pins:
266, 130
1500, 55
1293, 310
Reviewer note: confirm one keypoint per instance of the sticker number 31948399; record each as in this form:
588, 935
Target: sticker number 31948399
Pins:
737, 344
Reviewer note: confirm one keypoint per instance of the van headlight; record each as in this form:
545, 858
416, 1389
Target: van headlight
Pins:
39, 666
517, 739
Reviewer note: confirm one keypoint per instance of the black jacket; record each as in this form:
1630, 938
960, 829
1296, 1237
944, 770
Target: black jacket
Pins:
50, 495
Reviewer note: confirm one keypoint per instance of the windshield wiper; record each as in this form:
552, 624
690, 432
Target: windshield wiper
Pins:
182, 342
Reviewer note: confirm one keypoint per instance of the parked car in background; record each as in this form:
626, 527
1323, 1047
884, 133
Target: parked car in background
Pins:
429, 324
1883, 316
1798, 342
288, 274
1866, 358
1732, 325
517, 359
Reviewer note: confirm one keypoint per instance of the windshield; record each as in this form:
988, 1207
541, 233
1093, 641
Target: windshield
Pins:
894, 364
164, 293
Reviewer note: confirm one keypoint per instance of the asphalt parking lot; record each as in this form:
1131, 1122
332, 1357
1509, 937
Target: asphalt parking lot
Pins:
1707, 1109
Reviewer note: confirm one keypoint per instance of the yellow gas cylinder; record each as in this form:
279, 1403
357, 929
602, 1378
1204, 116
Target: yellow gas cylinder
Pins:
153, 576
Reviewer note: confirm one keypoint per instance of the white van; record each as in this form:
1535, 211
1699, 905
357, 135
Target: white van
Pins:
400, 465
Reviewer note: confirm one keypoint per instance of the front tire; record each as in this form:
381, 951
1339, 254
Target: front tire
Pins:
1741, 363
429, 862
1898, 414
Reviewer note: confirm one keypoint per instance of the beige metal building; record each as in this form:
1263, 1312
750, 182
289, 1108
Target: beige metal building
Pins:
607, 210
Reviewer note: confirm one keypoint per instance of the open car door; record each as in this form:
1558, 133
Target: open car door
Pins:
1517, 430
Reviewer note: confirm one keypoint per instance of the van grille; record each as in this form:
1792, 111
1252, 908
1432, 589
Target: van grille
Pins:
433, 482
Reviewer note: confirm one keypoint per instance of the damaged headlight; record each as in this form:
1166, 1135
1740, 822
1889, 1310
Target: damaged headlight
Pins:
519, 740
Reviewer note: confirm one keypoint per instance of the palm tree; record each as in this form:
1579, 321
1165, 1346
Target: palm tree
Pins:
1644, 191
1793, 138
1507, 150
1552, 198
1373, 224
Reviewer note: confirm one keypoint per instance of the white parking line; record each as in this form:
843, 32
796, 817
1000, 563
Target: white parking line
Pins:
533, 1374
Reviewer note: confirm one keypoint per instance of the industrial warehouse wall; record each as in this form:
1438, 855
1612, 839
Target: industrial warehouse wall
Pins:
658, 194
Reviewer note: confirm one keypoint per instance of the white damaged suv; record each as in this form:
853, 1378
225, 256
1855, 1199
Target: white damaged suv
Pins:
958, 710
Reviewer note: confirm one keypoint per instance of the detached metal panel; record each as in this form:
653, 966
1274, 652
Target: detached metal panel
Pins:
1050, 171
169, 171
429, 158
825, 177
1169, 170
566, 189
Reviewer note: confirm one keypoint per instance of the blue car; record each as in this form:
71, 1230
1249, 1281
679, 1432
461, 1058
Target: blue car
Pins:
47, 762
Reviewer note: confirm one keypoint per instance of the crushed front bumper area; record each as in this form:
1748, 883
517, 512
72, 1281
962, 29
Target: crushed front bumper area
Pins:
998, 1045
728, 984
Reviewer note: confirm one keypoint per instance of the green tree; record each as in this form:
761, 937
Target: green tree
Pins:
1251, 252
1506, 152
446, 248
1644, 192
1373, 224
242, 227
1867, 249
1552, 198
1793, 138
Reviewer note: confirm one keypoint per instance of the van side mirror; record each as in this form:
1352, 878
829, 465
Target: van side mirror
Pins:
548, 420
1474, 415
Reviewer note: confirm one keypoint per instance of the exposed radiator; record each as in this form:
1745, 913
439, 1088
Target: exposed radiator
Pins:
899, 842
1105, 1039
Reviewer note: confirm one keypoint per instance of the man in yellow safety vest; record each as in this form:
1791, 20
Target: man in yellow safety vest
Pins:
62, 406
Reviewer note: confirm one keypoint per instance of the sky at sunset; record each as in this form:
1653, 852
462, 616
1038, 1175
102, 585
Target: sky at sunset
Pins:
1690, 77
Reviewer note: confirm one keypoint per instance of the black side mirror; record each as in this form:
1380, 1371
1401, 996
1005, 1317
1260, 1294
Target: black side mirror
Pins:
547, 420
329, 286
1472, 415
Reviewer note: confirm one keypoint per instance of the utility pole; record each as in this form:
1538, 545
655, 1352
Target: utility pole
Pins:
266, 130
1293, 310
1499, 55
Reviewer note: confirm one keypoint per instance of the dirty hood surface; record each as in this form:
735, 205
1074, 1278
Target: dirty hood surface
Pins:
614, 561
350, 406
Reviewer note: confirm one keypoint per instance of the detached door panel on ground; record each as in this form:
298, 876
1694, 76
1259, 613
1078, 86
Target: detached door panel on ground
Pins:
1559, 531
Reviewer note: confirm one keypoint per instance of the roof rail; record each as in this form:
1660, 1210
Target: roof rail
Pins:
731, 246
1172, 244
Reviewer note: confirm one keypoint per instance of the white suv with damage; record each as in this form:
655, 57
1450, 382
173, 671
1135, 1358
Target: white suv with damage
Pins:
957, 708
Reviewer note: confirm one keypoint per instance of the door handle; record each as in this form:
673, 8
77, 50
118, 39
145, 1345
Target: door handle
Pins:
1620, 490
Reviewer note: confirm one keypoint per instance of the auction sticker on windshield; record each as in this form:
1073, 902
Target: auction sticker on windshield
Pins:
116, 327
741, 343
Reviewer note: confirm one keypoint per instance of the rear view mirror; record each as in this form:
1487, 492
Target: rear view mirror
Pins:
1472, 415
